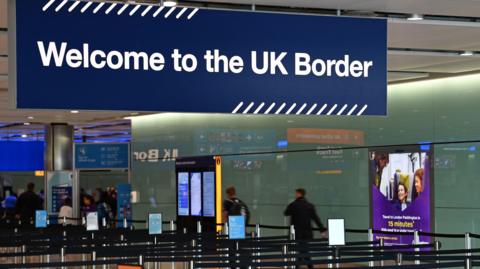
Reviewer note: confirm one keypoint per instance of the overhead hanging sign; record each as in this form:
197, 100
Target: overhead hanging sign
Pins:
123, 56
102, 156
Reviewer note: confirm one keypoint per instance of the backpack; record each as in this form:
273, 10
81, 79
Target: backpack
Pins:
239, 208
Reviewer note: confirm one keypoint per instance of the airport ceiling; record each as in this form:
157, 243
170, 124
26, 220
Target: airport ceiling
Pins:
419, 49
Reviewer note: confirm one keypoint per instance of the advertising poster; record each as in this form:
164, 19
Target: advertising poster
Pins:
124, 204
401, 194
41, 219
59, 193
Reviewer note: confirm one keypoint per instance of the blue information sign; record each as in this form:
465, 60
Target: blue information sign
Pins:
236, 226
155, 223
40, 219
184, 59
59, 193
102, 156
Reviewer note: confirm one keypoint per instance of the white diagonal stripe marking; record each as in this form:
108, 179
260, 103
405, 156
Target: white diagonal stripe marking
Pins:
311, 109
98, 7
181, 12
134, 10
47, 5
120, 11
280, 109
73, 6
269, 108
86, 6
147, 9
332, 109
322, 109
291, 108
362, 110
61, 5
110, 8
237, 108
259, 108
192, 13
169, 12
341, 110
158, 11
301, 108
351, 110
248, 108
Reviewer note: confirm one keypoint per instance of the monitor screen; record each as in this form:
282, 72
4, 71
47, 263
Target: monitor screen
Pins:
208, 194
196, 193
183, 197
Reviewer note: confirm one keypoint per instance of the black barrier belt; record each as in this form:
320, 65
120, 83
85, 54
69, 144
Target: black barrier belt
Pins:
358, 231
71, 263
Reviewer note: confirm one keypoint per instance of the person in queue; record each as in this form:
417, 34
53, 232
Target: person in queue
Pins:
302, 213
27, 203
66, 211
402, 203
233, 206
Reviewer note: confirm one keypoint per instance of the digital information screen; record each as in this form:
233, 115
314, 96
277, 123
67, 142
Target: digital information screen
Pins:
196, 193
183, 199
208, 194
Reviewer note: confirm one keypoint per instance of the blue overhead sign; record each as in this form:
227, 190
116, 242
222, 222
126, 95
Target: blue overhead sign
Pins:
21, 156
102, 156
124, 56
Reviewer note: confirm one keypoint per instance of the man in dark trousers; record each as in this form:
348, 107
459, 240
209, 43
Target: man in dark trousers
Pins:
27, 204
301, 213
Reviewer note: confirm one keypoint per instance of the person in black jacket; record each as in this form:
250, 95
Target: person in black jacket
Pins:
301, 213
27, 203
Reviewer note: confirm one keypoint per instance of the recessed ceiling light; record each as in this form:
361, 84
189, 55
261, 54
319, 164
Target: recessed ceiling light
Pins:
26, 123
466, 53
74, 111
415, 17
30, 117
24, 136
169, 3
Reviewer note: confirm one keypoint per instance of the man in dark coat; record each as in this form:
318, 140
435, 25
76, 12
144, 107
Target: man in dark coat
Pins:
27, 204
301, 213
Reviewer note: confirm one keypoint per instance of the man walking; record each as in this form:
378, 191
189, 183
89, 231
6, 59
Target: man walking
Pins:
301, 213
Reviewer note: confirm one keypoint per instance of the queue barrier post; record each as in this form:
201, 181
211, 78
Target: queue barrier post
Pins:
125, 223
370, 239
468, 247
225, 228
62, 256
285, 252
382, 244
199, 227
64, 221
257, 230
292, 232
24, 256
438, 245
399, 259
416, 241
94, 258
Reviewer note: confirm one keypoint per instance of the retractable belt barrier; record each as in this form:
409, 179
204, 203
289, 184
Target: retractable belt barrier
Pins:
212, 250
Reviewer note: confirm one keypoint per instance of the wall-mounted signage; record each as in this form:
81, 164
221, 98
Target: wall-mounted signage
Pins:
102, 156
40, 219
184, 59
401, 193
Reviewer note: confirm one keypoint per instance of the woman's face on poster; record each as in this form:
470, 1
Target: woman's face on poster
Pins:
418, 184
402, 193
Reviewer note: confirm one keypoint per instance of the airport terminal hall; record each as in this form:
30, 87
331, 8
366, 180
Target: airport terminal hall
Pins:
240, 134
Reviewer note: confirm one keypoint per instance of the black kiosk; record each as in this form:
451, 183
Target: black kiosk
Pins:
199, 196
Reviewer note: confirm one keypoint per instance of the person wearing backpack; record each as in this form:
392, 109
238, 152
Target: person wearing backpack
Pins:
233, 206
